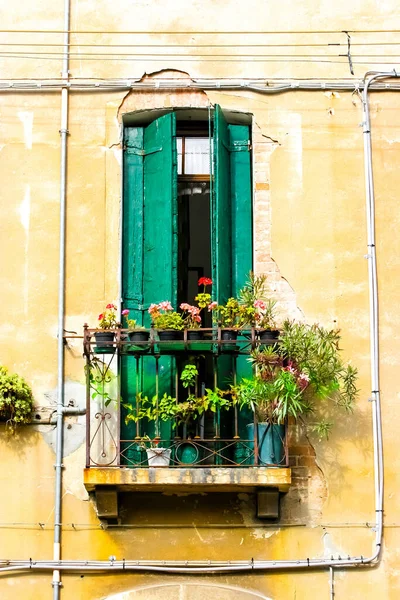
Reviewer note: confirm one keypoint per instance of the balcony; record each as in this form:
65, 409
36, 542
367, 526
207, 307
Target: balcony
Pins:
216, 449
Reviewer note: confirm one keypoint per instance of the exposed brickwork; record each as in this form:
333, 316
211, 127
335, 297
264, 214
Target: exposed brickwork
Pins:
303, 502
280, 289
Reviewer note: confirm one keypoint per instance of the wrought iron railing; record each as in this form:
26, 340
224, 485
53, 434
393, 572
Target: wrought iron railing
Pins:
232, 439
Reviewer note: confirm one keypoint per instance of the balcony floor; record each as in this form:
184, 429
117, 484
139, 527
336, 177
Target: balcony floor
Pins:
191, 480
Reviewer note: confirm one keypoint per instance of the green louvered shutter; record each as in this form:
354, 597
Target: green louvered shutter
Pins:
149, 247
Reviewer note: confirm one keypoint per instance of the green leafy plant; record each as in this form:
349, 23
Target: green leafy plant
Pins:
130, 323
163, 316
146, 442
16, 399
167, 408
189, 375
100, 377
293, 377
229, 315
257, 310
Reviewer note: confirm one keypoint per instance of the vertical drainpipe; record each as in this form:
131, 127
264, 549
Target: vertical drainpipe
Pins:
56, 583
374, 308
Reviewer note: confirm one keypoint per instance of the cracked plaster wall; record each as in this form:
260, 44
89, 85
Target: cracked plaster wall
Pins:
310, 240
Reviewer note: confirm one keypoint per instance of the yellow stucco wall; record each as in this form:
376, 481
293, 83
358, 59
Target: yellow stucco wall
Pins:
314, 209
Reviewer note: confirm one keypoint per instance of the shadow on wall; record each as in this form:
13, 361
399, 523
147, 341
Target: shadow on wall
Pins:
188, 591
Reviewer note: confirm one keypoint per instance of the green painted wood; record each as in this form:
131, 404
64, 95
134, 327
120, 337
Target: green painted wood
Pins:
132, 271
149, 251
242, 206
132, 227
242, 234
220, 211
160, 273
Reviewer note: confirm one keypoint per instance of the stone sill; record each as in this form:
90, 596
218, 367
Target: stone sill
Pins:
185, 479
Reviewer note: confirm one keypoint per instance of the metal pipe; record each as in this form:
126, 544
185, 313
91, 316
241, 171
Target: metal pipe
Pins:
374, 307
56, 583
307, 563
331, 583
263, 86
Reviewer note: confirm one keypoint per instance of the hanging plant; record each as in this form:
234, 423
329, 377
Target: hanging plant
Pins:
16, 399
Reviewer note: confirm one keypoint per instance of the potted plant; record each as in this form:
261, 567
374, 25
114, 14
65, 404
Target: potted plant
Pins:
16, 399
290, 380
106, 320
258, 310
229, 317
192, 321
156, 455
168, 323
186, 412
137, 333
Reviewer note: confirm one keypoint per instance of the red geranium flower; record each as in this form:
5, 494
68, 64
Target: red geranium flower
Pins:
204, 281
100, 317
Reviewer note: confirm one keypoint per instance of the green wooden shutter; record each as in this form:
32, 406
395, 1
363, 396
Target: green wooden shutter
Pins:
160, 268
241, 203
149, 247
231, 209
231, 234
242, 235
221, 240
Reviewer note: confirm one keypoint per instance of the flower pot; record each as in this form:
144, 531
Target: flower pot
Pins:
104, 342
229, 336
268, 337
139, 335
169, 335
194, 334
158, 457
271, 443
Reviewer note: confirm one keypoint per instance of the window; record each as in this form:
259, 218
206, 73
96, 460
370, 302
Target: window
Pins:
181, 221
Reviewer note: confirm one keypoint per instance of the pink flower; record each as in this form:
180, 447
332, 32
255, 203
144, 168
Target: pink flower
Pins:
259, 304
303, 381
212, 305
125, 312
165, 305
153, 308
197, 318
185, 306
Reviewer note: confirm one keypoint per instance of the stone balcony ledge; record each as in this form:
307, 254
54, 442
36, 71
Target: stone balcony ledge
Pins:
187, 479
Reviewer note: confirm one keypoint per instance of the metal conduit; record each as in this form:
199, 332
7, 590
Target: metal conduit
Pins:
56, 583
260, 86
235, 566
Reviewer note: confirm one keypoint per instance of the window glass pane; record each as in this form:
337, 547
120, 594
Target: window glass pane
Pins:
179, 149
197, 156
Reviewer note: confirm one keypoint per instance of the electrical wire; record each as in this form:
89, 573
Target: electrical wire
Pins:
194, 32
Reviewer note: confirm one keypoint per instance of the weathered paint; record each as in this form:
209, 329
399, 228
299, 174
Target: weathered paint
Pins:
189, 480
309, 238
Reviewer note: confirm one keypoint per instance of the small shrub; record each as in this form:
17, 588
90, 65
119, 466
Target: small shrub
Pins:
16, 399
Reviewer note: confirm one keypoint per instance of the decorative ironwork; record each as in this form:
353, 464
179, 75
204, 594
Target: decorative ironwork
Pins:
190, 447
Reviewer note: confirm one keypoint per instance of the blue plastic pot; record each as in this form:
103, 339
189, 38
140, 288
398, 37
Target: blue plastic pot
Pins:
271, 438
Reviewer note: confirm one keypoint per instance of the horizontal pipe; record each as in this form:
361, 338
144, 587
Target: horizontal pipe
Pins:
184, 566
257, 85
